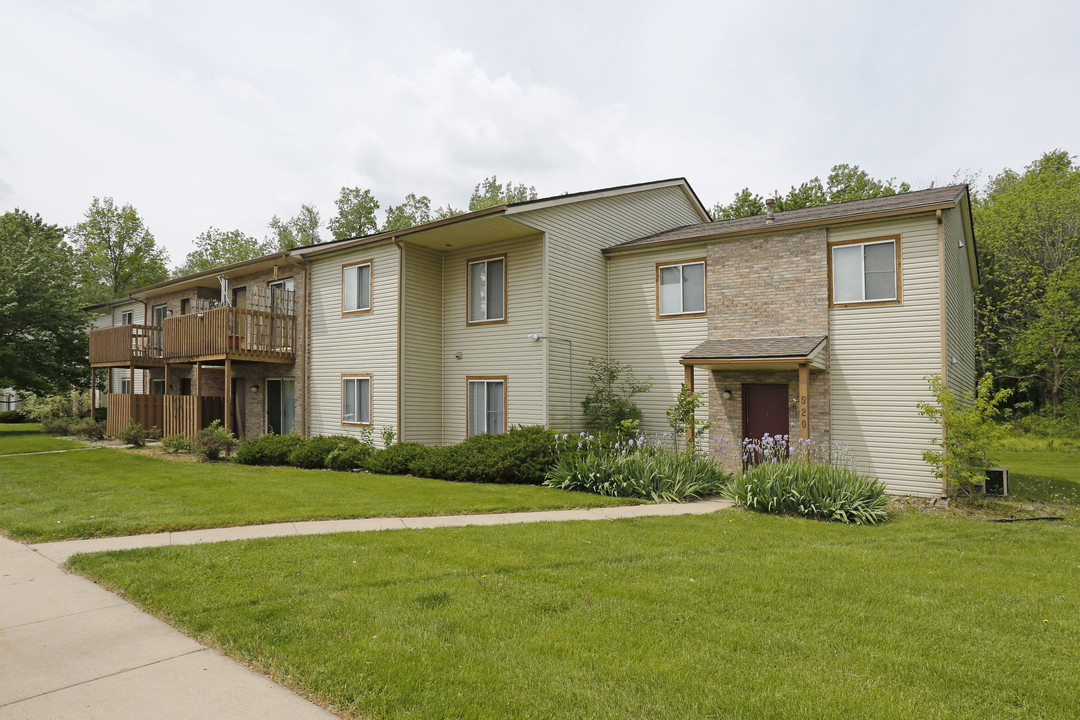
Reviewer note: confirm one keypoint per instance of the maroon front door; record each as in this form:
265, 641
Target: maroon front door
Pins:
765, 410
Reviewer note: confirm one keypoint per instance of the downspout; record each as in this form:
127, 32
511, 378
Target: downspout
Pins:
400, 311
944, 348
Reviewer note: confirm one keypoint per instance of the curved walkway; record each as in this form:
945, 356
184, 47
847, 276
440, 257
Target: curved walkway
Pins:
74, 650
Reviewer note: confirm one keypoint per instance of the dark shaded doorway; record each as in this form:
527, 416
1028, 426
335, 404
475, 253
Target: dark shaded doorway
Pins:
765, 410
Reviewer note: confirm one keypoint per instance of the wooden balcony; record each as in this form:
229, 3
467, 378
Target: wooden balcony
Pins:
126, 346
228, 333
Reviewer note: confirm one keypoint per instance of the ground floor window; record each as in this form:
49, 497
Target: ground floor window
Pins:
487, 405
280, 405
356, 399
157, 387
125, 386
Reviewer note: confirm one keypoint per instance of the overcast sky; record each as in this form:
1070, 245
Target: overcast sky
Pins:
226, 113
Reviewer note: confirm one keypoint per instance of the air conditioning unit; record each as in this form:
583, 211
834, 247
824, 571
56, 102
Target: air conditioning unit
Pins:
997, 481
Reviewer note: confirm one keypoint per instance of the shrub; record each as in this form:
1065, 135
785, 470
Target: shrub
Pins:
312, 455
133, 434
53, 407
59, 425
269, 449
522, 455
14, 416
101, 414
153, 433
388, 435
396, 459
828, 492
213, 441
175, 443
349, 457
610, 399
88, 429
659, 476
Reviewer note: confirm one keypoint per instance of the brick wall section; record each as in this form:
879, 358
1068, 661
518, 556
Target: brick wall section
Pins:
775, 285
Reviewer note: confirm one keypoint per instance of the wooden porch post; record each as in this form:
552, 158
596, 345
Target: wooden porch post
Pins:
804, 401
198, 400
166, 379
688, 380
93, 397
228, 394
131, 379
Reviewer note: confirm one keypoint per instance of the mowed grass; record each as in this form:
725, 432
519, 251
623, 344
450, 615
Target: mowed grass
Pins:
104, 492
734, 615
28, 438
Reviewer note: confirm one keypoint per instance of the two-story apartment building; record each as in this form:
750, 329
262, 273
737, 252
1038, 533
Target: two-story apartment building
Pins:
819, 323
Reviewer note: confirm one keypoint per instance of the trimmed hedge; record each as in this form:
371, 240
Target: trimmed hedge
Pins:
397, 459
269, 449
523, 455
14, 416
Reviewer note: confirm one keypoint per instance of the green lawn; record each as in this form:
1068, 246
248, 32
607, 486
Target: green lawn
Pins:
118, 492
27, 437
736, 615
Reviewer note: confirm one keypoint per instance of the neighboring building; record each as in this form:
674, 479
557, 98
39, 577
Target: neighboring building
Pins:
465, 325
10, 400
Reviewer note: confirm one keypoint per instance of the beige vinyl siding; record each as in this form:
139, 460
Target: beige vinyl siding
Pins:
959, 307
496, 349
364, 343
578, 295
138, 317
652, 346
879, 357
422, 346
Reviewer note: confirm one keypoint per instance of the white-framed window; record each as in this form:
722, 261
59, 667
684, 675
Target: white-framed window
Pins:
865, 271
356, 287
680, 288
125, 385
157, 387
487, 405
356, 399
126, 317
487, 290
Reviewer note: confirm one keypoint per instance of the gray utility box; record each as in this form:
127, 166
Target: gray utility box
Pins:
997, 481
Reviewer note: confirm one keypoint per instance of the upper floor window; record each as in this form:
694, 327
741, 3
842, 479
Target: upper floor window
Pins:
865, 271
680, 288
126, 317
487, 290
160, 313
356, 287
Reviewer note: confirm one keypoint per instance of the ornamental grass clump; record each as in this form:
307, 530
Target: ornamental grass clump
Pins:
828, 492
657, 475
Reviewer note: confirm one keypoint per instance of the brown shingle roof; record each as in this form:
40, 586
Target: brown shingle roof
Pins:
915, 201
756, 348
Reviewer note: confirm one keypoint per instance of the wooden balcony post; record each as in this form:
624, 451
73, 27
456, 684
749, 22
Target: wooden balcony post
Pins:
228, 394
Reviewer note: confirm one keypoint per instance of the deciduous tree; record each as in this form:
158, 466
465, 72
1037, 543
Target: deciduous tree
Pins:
303, 229
413, 211
214, 248
356, 214
42, 329
489, 192
116, 251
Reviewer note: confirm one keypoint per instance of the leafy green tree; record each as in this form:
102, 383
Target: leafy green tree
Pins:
356, 214
214, 248
116, 251
303, 229
446, 212
844, 183
413, 211
610, 402
43, 341
1028, 227
489, 192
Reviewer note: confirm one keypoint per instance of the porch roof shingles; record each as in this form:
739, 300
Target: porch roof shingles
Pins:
760, 348
913, 201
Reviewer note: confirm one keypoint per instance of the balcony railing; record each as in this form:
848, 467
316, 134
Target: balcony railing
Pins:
138, 345
233, 333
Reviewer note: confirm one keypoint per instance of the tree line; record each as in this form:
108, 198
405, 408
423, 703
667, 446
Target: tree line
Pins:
1027, 229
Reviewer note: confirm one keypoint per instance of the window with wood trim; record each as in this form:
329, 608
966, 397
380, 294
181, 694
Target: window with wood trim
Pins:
680, 288
487, 405
356, 287
487, 290
126, 317
356, 399
157, 387
864, 271
160, 313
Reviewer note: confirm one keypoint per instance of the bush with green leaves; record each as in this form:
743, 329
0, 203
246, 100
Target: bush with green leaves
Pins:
795, 487
268, 449
396, 459
88, 429
175, 443
213, 441
52, 407
153, 433
659, 476
14, 416
59, 425
312, 455
345, 458
133, 434
610, 400
521, 455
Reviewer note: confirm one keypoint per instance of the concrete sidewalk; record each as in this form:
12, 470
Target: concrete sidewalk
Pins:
62, 550
70, 649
